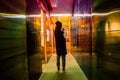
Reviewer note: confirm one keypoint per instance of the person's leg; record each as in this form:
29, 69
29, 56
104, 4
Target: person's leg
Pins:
63, 61
58, 62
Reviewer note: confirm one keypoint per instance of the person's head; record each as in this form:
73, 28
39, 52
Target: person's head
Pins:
58, 24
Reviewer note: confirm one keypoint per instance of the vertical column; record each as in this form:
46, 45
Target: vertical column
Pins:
43, 31
33, 40
69, 30
52, 39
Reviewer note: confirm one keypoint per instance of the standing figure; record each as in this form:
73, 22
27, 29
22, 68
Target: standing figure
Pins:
60, 45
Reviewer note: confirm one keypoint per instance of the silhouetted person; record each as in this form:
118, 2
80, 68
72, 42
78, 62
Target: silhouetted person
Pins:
60, 45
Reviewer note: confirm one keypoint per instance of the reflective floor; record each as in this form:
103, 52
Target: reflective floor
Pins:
72, 70
89, 66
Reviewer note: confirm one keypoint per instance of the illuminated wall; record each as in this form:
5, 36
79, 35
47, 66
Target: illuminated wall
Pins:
106, 39
113, 22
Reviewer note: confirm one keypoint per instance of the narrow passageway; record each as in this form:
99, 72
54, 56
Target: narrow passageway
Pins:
72, 72
28, 46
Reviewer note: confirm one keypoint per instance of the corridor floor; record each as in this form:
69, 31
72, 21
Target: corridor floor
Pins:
72, 72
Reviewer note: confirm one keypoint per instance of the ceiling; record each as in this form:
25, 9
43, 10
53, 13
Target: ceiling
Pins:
62, 6
81, 6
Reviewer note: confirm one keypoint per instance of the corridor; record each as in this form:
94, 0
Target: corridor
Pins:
28, 47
